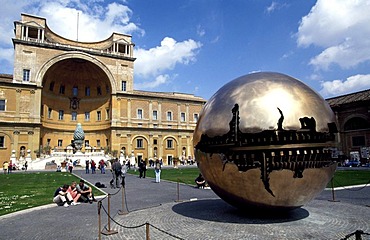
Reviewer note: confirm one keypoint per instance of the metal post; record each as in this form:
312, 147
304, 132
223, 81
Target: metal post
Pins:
122, 211
99, 219
178, 191
109, 231
332, 191
358, 234
147, 231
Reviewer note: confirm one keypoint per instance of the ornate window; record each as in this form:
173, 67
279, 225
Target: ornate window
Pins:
75, 91
2, 104
356, 123
87, 91
61, 115
139, 143
2, 141
26, 75
87, 116
74, 116
169, 116
140, 113
169, 143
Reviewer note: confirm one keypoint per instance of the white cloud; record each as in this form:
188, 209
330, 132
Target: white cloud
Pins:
96, 21
341, 28
351, 84
275, 6
155, 61
159, 80
200, 31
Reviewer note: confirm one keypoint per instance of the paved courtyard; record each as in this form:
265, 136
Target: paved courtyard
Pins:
183, 212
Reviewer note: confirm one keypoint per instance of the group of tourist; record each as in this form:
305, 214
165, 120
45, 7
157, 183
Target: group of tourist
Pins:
74, 194
91, 164
8, 167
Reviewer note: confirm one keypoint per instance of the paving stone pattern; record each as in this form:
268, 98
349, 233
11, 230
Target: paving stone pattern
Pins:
191, 214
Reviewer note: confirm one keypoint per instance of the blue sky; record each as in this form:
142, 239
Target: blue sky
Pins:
197, 46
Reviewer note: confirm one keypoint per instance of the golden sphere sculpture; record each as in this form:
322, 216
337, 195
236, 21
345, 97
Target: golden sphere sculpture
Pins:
265, 140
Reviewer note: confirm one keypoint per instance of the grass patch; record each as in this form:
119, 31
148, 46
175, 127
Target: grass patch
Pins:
19, 191
344, 178
187, 175
183, 175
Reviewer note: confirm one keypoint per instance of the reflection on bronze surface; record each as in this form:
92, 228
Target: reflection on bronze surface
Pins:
288, 146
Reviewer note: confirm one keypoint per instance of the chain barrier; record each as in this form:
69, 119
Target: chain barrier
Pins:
349, 189
357, 234
170, 234
101, 206
130, 227
112, 194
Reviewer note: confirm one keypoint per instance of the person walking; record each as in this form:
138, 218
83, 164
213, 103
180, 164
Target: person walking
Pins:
117, 173
157, 170
5, 167
87, 166
93, 166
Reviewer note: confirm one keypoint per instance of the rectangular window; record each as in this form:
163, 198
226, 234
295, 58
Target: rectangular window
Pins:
107, 113
139, 143
49, 112
358, 141
155, 115
87, 91
60, 142
98, 90
26, 75
2, 105
169, 116
51, 86
75, 91
195, 117
48, 142
74, 116
140, 113
169, 143
98, 143
183, 117
155, 141
124, 83
87, 116
62, 89
2, 141
87, 143
98, 115
61, 115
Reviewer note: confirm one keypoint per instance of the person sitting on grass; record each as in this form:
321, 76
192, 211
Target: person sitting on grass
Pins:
201, 183
74, 193
85, 191
62, 197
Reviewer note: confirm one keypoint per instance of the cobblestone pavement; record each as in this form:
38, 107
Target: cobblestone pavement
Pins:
183, 212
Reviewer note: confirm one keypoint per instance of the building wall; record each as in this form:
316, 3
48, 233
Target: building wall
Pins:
348, 145
53, 61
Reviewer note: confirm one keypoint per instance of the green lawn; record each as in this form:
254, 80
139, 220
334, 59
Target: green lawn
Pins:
344, 178
188, 175
20, 191
183, 175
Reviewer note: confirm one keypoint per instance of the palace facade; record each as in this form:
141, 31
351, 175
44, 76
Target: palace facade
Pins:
353, 115
58, 83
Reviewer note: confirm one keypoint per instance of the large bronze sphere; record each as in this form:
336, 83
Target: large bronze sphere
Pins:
265, 140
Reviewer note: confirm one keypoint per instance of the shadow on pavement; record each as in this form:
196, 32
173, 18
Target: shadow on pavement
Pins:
217, 210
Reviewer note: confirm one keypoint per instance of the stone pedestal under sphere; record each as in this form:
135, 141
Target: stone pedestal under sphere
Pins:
265, 140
